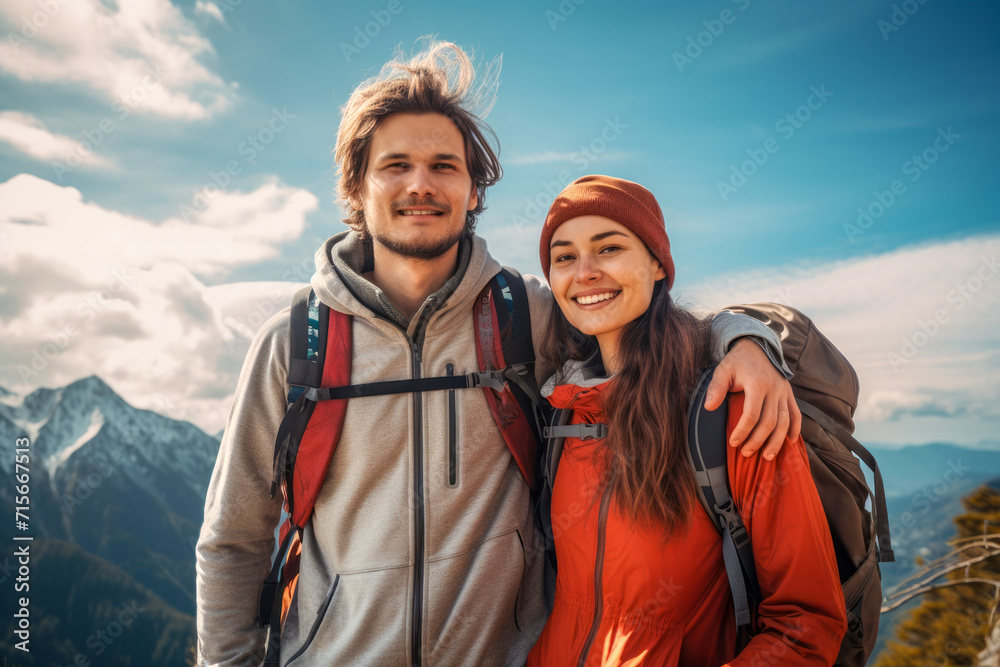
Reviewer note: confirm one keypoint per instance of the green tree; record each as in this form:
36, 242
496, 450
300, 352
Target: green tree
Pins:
959, 594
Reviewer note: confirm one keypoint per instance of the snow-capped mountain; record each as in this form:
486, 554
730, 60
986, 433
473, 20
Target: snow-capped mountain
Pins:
125, 484
86, 425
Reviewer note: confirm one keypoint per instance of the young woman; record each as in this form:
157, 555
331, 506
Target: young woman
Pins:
641, 578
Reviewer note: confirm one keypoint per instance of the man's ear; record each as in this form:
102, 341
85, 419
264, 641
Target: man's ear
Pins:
355, 202
474, 199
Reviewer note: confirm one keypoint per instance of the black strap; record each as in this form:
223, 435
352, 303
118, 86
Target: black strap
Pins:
491, 379
286, 443
514, 323
515, 326
707, 452
550, 465
554, 445
270, 595
305, 369
522, 375
881, 515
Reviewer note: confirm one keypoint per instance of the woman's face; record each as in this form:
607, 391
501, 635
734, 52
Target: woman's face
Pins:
602, 276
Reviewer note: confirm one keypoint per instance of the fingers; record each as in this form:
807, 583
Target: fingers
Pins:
795, 417
718, 388
752, 415
776, 440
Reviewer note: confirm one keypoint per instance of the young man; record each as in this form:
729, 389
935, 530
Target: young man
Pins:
402, 563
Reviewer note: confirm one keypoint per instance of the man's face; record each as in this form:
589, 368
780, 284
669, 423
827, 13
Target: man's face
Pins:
417, 188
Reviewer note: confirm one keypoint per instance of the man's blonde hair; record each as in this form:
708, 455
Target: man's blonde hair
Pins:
440, 79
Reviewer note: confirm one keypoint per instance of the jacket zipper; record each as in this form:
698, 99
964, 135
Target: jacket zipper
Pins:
418, 514
602, 528
319, 619
452, 433
416, 633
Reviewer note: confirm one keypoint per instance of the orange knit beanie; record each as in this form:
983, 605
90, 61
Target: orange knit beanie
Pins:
625, 202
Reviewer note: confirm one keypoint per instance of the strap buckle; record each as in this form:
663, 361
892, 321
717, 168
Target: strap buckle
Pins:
490, 379
730, 519
581, 431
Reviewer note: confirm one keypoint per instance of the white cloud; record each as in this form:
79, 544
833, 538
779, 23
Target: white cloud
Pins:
85, 290
142, 53
43, 219
208, 8
919, 325
29, 135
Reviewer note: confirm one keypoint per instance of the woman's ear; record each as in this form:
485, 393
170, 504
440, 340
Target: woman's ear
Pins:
660, 273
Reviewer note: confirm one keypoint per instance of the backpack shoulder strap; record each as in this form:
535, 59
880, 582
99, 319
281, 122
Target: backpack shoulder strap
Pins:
514, 325
308, 327
319, 352
550, 465
502, 326
508, 286
708, 455
320, 355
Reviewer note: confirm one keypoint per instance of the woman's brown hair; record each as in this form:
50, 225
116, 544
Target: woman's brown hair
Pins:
438, 80
660, 355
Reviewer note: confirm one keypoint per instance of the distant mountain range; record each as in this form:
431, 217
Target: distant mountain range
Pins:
117, 496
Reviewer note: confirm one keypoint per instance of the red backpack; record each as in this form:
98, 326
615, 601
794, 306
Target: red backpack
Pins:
319, 377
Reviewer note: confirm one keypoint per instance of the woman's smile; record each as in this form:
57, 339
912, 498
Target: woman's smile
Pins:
602, 276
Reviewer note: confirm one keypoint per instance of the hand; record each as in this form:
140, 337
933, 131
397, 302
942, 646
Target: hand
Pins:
769, 410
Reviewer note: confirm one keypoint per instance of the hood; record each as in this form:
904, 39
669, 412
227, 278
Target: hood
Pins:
342, 259
578, 385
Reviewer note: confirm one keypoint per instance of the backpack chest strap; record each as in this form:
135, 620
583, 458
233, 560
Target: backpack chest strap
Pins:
581, 431
492, 379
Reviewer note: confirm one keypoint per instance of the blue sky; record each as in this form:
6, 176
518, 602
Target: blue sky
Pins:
833, 99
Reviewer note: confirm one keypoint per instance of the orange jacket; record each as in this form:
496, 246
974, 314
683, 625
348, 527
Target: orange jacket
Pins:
669, 603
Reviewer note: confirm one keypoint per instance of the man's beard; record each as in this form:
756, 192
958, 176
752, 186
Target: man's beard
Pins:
417, 250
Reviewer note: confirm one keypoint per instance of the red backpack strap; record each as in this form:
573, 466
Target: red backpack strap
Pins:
320, 356
510, 417
318, 443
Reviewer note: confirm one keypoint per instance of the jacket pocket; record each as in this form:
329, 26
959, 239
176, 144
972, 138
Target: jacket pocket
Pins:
316, 623
476, 595
452, 433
